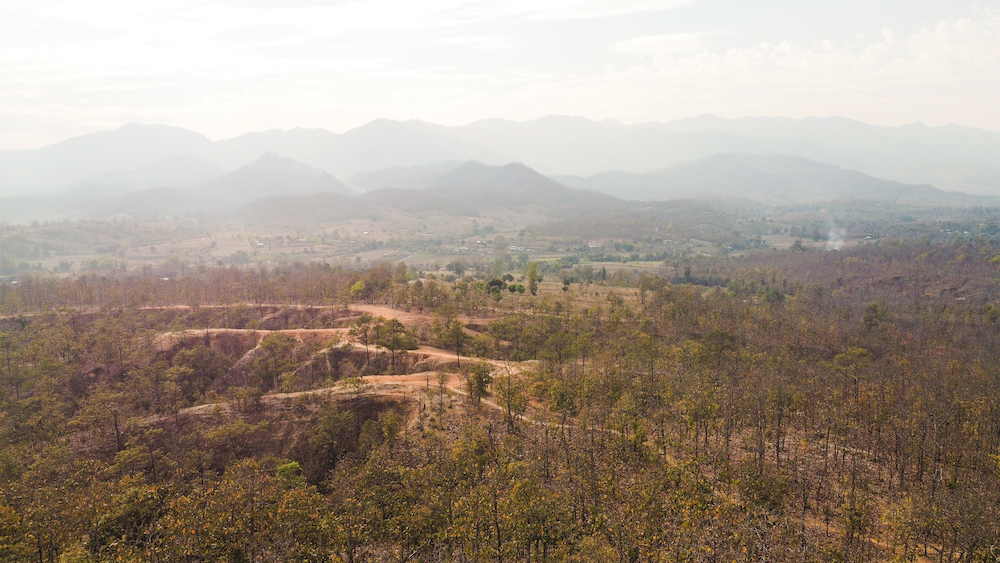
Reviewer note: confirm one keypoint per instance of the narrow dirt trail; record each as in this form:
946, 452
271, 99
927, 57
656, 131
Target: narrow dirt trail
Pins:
171, 339
413, 318
405, 317
384, 385
403, 386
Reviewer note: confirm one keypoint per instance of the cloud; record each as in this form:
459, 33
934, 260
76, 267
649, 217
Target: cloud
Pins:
588, 9
946, 72
673, 43
463, 12
271, 4
26, 30
261, 32
337, 64
486, 42
537, 9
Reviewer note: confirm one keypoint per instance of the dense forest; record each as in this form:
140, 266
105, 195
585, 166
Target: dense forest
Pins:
778, 406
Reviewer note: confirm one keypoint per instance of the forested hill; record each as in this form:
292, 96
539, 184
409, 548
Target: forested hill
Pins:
275, 188
781, 406
473, 187
770, 179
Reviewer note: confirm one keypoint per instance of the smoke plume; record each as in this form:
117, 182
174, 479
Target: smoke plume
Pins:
835, 239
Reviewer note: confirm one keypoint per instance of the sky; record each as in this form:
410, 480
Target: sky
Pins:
226, 67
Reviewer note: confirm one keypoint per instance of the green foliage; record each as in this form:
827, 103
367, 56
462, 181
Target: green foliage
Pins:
478, 378
198, 368
450, 333
875, 314
274, 357
511, 397
331, 439
130, 519
762, 488
533, 278
290, 475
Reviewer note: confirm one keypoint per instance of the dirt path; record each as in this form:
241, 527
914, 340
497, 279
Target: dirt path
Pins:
171, 339
404, 386
302, 334
412, 318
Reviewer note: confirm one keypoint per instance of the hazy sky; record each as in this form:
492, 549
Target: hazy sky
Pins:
225, 67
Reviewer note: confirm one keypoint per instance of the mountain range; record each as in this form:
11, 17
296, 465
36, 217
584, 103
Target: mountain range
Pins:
772, 179
144, 169
267, 177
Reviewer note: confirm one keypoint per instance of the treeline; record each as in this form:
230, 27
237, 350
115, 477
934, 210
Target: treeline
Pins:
297, 283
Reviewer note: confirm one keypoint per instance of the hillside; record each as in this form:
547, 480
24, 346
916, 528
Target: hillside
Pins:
75, 160
950, 157
575, 145
473, 186
271, 175
176, 171
771, 179
120, 193
305, 209
405, 177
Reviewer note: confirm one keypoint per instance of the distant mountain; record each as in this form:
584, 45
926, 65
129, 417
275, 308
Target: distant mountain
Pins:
473, 187
377, 145
469, 189
406, 177
75, 160
100, 159
269, 175
575, 145
304, 145
172, 171
383, 143
625, 185
278, 189
385, 153
843, 137
772, 179
950, 157
302, 209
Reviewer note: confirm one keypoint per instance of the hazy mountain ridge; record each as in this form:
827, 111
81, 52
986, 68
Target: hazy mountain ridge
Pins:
951, 158
576, 145
73, 161
405, 177
380, 144
473, 185
172, 171
773, 179
376, 145
278, 188
303, 209
269, 176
